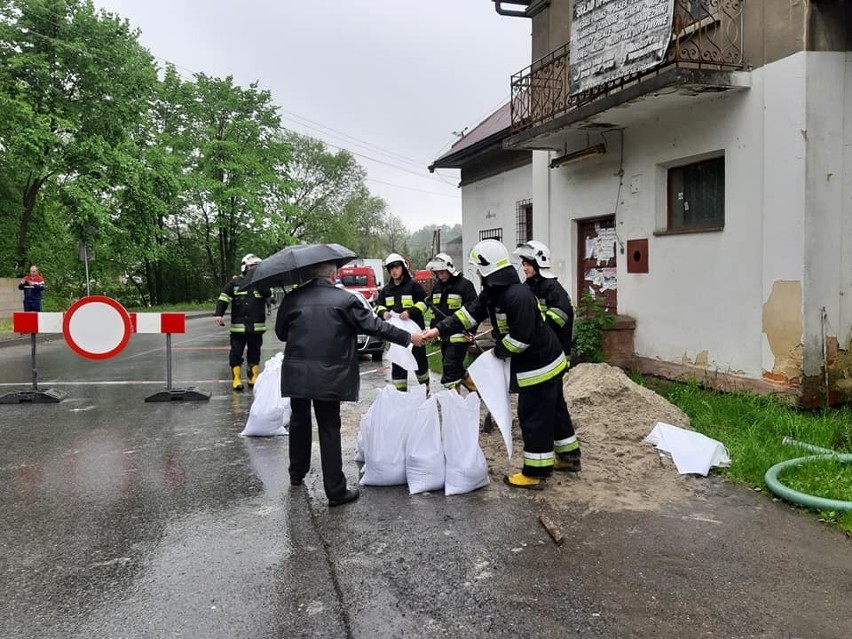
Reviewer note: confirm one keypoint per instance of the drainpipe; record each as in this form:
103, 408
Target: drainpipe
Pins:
514, 13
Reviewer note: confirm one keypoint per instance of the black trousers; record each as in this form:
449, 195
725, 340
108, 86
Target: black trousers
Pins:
328, 425
399, 375
544, 419
453, 354
239, 342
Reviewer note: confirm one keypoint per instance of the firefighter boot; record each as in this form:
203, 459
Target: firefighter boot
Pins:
237, 384
467, 382
519, 480
253, 372
569, 462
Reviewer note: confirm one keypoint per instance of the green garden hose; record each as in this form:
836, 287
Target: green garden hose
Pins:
803, 499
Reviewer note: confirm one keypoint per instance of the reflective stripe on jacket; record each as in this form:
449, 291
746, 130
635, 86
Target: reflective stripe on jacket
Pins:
248, 306
535, 353
408, 295
555, 306
447, 298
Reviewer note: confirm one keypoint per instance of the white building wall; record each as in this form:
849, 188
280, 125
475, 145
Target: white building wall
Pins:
844, 325
706, 294
491, 203
824, 219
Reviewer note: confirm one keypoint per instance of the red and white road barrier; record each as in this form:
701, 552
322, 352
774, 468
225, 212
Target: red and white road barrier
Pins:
98, 327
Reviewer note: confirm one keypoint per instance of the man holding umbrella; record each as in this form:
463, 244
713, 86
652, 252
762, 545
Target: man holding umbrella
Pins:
319, 324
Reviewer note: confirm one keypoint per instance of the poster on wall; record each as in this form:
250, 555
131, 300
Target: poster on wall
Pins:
612, 39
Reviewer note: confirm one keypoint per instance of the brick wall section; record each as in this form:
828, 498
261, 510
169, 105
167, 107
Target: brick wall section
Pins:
11, 299
618, 342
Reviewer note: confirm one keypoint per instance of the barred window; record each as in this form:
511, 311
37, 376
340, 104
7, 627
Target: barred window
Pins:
697, 196
491, 234
524, 221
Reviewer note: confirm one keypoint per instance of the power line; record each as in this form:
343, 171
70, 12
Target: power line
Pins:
411, 188
357, 140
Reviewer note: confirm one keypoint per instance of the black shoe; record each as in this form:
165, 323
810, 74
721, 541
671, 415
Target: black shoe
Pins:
349, 495
296, 481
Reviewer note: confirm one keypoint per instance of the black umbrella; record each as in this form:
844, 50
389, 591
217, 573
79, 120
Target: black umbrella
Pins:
290, 265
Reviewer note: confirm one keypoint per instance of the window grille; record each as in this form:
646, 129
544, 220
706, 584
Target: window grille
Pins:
491, 234
524, 221
697, 196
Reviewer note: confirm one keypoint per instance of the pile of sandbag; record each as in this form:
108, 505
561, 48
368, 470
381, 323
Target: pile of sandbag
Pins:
269, 413
404, 439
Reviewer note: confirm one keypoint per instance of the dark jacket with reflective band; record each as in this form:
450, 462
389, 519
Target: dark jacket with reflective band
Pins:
556, 308
320, 324
408, 295
535, 353
450, 296
248, 306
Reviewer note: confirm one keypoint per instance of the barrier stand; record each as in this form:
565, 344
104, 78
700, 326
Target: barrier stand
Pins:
28, 322
167, 323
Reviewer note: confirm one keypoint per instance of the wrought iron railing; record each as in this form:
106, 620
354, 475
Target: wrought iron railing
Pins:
706, 34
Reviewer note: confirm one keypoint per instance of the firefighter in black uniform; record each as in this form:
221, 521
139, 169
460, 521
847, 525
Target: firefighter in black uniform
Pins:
404, 296
553, 300
248, 321
450, 292
556, 309
537, 362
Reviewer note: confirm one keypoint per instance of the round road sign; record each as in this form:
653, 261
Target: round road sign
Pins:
96, 327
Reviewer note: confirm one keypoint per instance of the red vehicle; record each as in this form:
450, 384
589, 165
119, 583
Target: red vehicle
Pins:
361, 279
424, 278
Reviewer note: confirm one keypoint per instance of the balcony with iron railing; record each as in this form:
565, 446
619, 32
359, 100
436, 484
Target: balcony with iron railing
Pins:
706, 44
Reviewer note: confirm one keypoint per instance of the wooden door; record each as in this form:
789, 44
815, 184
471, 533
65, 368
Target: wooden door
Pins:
597, 252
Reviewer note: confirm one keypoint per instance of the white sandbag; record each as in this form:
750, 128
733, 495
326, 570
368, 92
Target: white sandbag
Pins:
384, 449
467, 469
403, 355
364, 428
269, 413
491, 376
693, 453
425, 466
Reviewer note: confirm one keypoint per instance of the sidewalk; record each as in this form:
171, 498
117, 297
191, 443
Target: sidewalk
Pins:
8, 339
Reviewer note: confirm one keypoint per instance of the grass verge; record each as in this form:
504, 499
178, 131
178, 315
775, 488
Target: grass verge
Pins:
752, 427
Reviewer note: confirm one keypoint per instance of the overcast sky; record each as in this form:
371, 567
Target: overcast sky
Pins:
388, 79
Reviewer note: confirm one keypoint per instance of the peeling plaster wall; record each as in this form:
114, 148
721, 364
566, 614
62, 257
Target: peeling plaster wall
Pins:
783, 184
490, 203
782, 328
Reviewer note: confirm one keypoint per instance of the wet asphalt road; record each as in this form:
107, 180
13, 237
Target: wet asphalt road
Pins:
127, 519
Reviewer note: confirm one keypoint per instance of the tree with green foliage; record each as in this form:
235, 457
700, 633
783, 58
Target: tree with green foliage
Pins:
73, 80
237, 161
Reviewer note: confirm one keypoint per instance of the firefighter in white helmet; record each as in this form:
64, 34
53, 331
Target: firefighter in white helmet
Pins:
450, 292
537, 362
248, 321
556, 309
406, 297
553, 300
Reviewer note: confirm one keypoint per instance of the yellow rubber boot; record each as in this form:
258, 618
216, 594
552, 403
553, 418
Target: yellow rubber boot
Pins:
519, 480
237, 384
253, 373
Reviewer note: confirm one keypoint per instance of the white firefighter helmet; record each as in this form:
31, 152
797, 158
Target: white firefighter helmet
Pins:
538, 253
489, 256
250, 259
442, 262
395, 258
